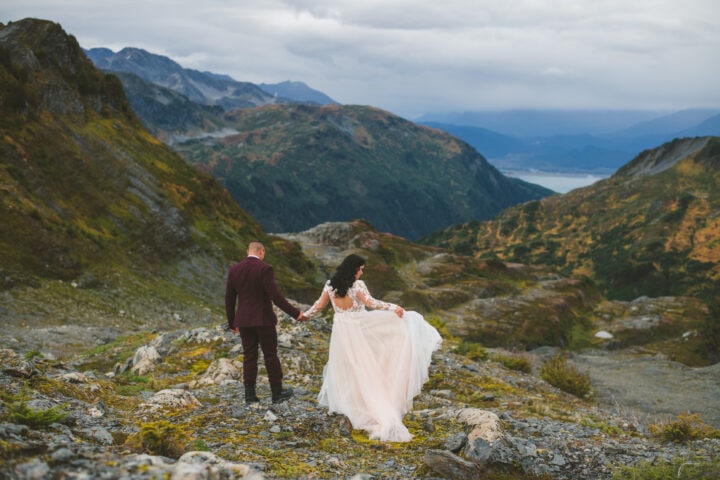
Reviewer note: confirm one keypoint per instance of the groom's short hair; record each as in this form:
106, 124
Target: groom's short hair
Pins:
255, 247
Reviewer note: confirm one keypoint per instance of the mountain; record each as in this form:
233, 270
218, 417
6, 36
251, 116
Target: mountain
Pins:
97, 213
296, 92
670, 124
579, 153
709, 126
650, 229
545, 123
208, 89
169, 115
227, 145
294, 166
573, 142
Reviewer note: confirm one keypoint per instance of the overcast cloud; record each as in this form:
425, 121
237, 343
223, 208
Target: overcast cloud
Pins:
412, 57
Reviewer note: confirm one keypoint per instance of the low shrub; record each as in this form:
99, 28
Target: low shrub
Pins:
471, 350
558, 373
41, 418
685, 428
519, 363
17, 411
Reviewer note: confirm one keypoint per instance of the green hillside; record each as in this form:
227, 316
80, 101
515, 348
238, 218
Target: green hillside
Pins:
89, 196
652, 229
636, 234
294, 166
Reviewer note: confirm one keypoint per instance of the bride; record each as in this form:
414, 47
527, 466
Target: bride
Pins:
378, 359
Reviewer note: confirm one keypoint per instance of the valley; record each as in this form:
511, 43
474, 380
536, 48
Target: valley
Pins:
120, 217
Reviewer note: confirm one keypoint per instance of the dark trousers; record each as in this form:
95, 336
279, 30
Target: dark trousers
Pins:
266, 339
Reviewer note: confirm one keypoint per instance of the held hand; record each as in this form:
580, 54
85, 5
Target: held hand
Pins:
301, 317
399, 311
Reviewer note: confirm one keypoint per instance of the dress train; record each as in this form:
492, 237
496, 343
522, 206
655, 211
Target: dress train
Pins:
378, 363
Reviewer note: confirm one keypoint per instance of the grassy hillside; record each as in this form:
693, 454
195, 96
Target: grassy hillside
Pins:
91, 198
293, 167
653, 229
637, 234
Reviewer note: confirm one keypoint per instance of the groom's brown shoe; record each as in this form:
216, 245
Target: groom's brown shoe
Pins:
280, 394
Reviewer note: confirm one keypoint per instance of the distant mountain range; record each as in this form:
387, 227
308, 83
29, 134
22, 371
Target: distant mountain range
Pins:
293, 165
297, 92
587, 142
571, 142
601, 123
206, 88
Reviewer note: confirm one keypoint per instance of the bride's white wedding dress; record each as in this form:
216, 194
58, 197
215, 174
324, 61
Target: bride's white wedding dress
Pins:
378, 362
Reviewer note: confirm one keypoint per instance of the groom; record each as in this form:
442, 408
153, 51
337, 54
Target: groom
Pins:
251, 285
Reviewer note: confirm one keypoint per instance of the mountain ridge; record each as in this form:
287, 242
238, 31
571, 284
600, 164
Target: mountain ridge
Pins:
243, 155
533, 123
195, 85
582, 148
207, 88
90, 197
294, 166
661, 203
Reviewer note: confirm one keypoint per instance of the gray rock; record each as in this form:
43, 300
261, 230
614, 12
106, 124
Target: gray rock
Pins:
449, 465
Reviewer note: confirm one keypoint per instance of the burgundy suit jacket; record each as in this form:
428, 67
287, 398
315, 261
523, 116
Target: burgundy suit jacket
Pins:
251, 287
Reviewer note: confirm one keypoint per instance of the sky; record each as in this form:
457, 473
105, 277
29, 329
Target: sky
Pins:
412, 57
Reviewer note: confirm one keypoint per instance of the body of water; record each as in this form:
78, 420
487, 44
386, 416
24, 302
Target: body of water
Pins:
557, 182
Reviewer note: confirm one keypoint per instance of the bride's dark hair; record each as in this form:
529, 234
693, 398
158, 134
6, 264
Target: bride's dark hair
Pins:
344, 276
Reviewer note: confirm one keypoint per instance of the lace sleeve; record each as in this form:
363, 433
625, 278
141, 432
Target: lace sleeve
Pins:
364, 296
319, 304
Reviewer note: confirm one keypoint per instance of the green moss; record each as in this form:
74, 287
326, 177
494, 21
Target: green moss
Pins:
158, 438
520, 363
471, 350
9, 450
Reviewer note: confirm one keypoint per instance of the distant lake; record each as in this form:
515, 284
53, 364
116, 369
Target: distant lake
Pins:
557, 182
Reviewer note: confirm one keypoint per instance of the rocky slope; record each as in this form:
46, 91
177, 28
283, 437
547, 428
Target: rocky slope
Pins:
476, 418
90, 197
650, 229
201, 87
168, 115
169, 403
